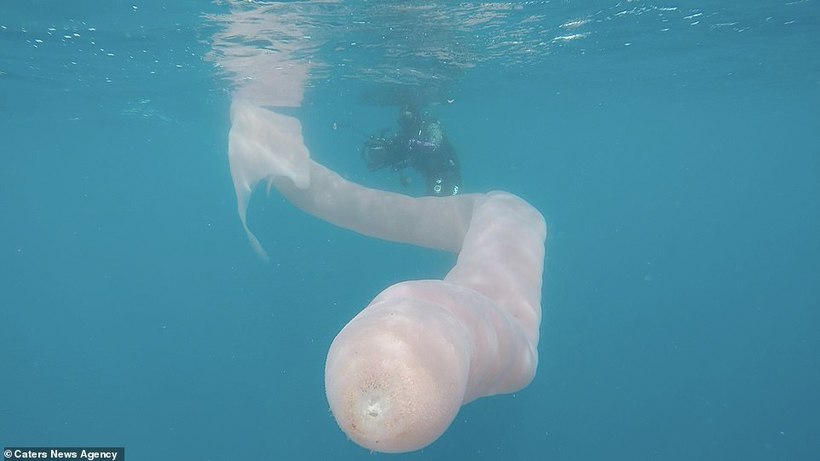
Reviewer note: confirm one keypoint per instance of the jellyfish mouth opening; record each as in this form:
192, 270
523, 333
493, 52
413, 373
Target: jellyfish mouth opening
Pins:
384, 410
374, 410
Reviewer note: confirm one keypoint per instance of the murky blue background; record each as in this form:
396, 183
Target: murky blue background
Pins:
673, 149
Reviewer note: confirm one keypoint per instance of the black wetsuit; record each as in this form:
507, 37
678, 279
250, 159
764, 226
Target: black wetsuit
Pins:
424, 147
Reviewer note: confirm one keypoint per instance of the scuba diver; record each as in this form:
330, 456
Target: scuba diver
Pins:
420, 144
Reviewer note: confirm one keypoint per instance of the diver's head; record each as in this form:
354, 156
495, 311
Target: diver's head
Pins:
408, 116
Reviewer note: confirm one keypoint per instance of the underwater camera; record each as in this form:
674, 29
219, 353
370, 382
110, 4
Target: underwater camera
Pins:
376, 153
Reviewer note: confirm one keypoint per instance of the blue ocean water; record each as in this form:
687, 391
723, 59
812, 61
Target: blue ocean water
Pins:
672, 148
